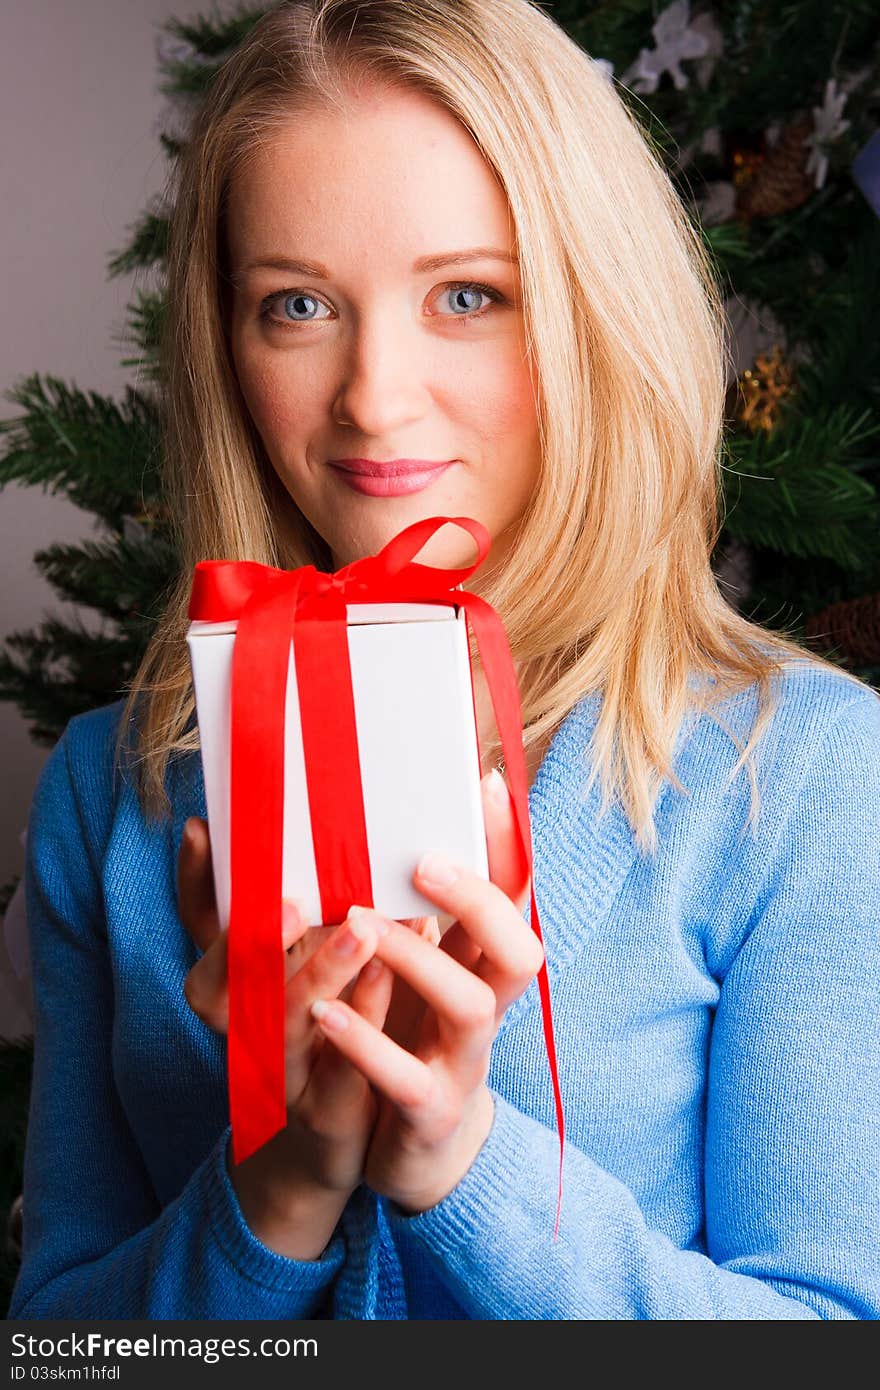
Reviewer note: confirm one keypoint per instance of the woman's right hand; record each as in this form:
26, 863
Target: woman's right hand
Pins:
331, 1107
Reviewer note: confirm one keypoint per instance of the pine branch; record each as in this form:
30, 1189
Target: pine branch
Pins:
808, 239
59, 670
728, 243
212, 38
776, 53
840, 319
172, 147
102, 455
611, 29
112, 576
793, 491
149, 245
146, 316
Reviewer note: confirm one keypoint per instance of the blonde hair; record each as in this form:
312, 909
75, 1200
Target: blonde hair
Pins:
610, 586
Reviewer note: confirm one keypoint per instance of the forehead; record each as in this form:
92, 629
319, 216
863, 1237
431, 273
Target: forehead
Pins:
390, 172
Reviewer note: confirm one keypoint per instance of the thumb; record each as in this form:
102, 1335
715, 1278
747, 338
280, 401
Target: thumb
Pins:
197, 905
508, 866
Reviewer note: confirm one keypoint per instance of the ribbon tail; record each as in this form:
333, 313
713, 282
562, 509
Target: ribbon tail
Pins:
550, 1045
497, 662
257, 1091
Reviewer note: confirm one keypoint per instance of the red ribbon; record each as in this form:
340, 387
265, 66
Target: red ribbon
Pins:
273, 607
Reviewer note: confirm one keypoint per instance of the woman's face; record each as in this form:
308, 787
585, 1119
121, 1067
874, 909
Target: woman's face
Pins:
356, 351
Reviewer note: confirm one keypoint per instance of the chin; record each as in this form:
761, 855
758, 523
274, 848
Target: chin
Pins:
450, 547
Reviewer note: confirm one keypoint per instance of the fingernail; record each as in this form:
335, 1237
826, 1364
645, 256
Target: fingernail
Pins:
379, 925
372, 970
292, 916
437, 868
327, 1015
189, 832
497, 788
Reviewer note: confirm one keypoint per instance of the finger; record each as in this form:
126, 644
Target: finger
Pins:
293, 922
335, 1082
371, 995
457, 944
426, 927
508, 867
406, 1081
206, 987
511, 952
197, 906
299, 940
332, 968
465, 1006
197, 898
329, 970
507, 863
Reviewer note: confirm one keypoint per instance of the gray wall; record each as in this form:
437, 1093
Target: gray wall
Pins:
80, 159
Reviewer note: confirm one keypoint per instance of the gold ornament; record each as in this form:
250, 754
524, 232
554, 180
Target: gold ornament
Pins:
744, 166
762, 389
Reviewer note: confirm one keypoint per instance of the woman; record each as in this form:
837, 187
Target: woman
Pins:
486, 268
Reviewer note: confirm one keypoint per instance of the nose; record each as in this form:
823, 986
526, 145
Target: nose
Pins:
383, 383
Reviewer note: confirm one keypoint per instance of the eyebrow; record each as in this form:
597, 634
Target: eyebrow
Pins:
425, 263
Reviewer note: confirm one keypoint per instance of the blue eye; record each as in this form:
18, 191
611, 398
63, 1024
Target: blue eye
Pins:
471, 288
293, 303
296, 301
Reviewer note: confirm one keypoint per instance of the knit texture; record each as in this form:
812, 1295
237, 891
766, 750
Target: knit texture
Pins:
716, 1017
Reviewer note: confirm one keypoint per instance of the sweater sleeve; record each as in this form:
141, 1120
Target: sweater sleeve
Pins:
792, 1208
96, 1243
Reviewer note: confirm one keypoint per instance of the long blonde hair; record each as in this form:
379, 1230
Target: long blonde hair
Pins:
610, 586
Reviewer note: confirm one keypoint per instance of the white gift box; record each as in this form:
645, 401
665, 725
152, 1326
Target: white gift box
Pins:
417, 746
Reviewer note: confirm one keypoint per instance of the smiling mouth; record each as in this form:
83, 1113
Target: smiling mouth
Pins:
393, 468
391, 484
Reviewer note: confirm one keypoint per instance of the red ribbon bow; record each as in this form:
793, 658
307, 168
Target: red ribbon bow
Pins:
272, 607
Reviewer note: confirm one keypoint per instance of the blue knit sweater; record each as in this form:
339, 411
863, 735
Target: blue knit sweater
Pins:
716, 1013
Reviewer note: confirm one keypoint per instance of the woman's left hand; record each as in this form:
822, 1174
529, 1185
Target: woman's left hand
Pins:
435, 1109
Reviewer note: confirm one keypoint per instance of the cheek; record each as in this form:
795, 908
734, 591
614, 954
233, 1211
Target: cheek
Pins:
503, 399
279, 403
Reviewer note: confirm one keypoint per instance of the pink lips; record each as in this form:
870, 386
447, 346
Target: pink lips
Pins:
391, 479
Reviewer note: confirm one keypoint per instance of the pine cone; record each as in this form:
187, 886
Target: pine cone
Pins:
853, 627
780, 182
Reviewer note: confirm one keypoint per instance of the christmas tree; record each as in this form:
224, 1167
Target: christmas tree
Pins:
767, 120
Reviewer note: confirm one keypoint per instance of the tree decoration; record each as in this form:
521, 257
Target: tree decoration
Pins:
762, 389
827, 128
769, 184
676, 39
866, 172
